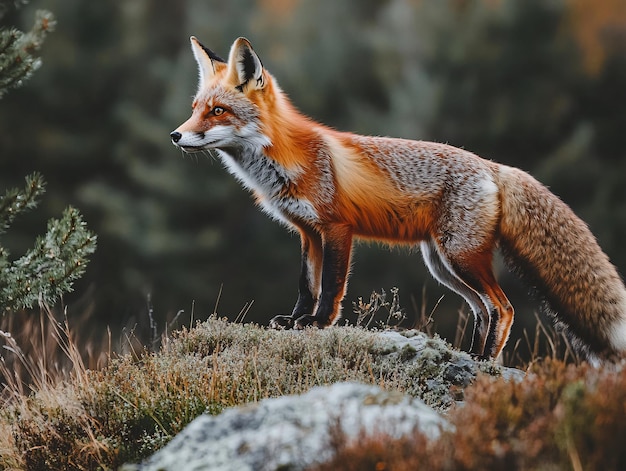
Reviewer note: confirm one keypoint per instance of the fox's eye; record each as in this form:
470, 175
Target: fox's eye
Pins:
218, 110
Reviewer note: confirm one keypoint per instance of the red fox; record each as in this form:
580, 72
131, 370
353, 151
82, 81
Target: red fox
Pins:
332, 187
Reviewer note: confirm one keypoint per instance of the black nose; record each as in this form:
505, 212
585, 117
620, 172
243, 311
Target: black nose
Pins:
175, 135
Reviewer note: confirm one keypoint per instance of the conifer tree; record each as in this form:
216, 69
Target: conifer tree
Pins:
59, 257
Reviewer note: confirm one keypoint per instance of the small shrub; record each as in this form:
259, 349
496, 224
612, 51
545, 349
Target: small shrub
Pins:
382, 453
368, 312
560, 417
590, 426
510, 425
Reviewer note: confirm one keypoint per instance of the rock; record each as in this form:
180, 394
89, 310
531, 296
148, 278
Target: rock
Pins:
292, 432
433, 370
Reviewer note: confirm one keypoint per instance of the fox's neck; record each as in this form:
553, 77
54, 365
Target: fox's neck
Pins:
273, 160
294, 137
257, 172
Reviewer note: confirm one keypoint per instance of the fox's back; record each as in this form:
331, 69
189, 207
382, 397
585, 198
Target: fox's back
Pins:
422, 167
405, 190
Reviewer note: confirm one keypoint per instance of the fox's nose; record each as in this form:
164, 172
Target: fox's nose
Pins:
175, 135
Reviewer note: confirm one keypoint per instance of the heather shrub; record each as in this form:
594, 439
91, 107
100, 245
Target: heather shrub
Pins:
559, 417
590, 427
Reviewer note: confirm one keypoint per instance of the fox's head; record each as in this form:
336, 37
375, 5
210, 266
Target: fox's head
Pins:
227, 105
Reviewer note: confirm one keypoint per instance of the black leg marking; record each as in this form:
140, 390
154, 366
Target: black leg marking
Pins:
306, 301
336, 259
490, 343
311, 249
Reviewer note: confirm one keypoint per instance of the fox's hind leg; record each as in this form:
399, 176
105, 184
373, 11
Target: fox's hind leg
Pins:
444, 274
475, 270
464, 237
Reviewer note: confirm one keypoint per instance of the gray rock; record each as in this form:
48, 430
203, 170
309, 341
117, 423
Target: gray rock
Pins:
461, 365
434, 370
292, 432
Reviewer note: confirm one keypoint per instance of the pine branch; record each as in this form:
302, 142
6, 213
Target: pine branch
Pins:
49, 269
8, 39
16, 201
58, 258
17, 49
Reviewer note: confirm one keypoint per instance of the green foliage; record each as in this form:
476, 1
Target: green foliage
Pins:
16, 201
58, 258
17, 49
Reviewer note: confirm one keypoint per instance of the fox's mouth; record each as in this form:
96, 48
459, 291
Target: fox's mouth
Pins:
180, 142
190, 149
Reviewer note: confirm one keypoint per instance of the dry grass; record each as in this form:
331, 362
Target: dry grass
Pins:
68, 416
543, 342
40, 349
68, 407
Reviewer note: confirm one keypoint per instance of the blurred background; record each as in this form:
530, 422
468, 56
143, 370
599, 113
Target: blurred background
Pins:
537, 84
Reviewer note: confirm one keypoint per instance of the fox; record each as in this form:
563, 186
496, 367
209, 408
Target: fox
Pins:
334, 187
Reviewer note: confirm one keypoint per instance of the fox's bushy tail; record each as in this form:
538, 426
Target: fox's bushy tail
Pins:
556, 253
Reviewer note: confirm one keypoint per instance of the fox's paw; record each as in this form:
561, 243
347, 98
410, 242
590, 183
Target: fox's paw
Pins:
281, 322
480, 356
307, 321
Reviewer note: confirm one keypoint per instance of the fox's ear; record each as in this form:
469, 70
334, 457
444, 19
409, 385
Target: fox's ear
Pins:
244, 66
206, 60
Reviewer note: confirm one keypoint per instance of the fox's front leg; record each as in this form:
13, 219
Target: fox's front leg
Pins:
336, 248
309, 281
